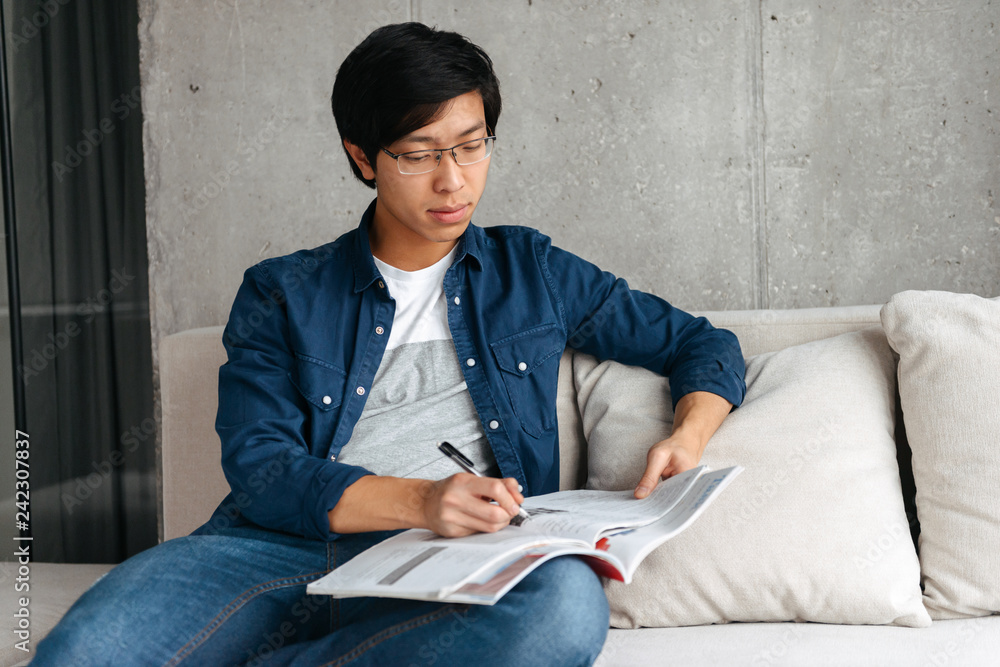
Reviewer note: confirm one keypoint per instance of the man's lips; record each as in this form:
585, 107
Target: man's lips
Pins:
449, 213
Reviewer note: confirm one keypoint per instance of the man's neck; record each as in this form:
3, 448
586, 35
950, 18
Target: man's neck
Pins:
410, 257
410, 261
406, 251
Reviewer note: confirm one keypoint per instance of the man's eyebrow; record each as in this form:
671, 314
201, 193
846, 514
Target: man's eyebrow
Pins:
415, 139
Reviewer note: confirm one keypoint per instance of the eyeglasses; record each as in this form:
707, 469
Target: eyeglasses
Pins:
426, 161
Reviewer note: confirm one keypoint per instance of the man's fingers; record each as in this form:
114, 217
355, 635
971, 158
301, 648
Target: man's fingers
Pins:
656, 461
455, 522
646, 484
503, 491
514, 489
464, 504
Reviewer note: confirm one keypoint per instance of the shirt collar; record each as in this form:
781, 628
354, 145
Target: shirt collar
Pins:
365, 271
469, 246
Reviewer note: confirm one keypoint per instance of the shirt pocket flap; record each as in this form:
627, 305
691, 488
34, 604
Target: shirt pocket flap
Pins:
523, 352
319, 383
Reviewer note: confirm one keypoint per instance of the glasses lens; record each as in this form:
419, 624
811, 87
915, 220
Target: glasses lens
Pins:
418, 163
472, 152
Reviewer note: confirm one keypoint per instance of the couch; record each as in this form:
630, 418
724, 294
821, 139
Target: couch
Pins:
726, 594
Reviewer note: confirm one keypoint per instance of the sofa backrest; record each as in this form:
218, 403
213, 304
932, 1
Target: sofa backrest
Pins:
193, 483
191, 453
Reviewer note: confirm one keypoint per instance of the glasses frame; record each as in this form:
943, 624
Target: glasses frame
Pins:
440, 154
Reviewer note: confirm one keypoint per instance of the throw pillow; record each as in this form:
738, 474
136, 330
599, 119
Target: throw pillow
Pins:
949, 389
813, 530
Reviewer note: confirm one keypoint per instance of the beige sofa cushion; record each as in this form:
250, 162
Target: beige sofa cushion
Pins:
814, 529
52, 590
949, 387
193, 482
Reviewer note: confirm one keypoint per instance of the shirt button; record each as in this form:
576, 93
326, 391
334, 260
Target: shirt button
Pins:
470, 362
522, 366
333, 458
381, 284
457, 301
379, 330
494, 424
327, 400
361, 391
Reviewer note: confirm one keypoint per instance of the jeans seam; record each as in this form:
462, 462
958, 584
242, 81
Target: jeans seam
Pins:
234, 606
389, 633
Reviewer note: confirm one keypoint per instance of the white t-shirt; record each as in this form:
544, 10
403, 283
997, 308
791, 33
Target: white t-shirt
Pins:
419, 396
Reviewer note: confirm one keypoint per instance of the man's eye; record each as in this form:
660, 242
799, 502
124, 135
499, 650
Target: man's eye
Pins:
416, 158
472, 148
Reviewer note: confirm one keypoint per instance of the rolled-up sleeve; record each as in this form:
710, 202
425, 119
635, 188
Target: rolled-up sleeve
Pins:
605, 318
261, 421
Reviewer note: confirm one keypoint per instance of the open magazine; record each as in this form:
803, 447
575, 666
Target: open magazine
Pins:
612, 530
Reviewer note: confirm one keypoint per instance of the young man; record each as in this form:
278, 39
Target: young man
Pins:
349, 361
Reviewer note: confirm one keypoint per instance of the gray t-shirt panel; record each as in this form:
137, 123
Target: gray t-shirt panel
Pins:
418, 398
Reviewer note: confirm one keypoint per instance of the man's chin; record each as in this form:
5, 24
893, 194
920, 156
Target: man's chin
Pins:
450, 230
452, 234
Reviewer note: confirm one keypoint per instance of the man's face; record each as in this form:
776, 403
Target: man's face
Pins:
423, 210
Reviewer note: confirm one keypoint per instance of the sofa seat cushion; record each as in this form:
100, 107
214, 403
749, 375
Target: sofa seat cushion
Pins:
971, 642
949, 389
53, 588
813, 530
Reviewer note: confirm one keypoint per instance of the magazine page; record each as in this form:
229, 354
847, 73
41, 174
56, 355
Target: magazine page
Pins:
631, 546
493, 584
587, 514
419, 564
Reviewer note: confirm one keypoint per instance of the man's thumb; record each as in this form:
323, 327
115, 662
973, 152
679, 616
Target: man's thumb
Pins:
646, 484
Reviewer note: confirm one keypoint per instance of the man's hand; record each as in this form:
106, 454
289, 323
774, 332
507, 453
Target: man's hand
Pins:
698, 416
452, 507
666, 459
460, 505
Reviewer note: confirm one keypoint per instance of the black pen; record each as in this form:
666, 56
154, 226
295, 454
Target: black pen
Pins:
465, 464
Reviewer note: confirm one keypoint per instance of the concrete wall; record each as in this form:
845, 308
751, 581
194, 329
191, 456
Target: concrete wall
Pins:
723, 154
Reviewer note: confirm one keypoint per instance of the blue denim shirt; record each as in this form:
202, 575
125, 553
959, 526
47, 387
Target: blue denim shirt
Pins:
308, 330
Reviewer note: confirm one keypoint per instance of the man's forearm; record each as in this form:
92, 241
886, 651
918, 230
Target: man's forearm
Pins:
381, 503
697, 417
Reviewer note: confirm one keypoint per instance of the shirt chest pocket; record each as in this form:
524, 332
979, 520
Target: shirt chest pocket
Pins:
529, 365
320, 383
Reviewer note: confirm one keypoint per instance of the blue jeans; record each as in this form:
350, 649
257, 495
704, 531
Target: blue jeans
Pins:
237, 596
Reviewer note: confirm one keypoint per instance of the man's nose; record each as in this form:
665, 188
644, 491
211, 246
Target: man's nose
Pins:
448, 176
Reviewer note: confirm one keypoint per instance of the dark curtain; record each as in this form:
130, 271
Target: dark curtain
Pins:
79, 196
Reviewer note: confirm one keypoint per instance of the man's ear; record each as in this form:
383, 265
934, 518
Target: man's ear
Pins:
360, 159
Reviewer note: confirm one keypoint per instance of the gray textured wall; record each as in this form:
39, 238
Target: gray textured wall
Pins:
723, 154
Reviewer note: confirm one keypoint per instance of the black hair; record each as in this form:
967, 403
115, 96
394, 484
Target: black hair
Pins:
397, 81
